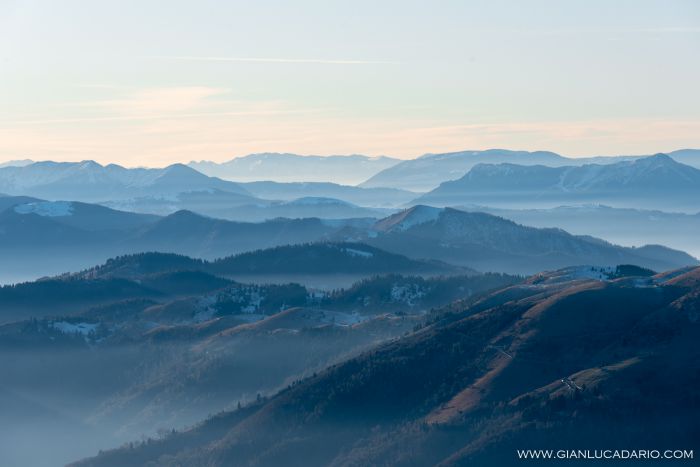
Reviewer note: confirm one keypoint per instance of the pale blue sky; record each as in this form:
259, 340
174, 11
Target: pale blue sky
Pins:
154, 82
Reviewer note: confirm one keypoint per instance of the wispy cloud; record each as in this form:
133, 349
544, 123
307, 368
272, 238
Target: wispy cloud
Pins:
598, 31
159, 100
169, 116
100, 86
164, 103
317, 61
669, 29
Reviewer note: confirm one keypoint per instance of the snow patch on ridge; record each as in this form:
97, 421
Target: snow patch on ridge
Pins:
46, 208
409, 294
74, 328
420, 215
360, 253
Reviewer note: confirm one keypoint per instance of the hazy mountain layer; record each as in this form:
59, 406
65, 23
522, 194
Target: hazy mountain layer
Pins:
489, 243
123, 277
90, 181
656, 182
623, 226
373, 197
277, 167
178, 187
571, 360
427, 172
233, 207
145, 344
46, 238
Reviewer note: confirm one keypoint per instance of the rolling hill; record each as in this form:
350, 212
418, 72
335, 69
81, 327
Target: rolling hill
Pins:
309, 258
243, 208
147, 343
624, 226
326, 258
191, 234
571, 365
489, 243
370, 197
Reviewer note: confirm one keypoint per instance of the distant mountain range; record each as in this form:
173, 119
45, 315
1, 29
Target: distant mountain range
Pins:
54, 237
421, 174
50, 237
233, 207
427, 172
92, 182
568, 360
16, 163
655, 182
647, 184
652, 182
178, 187
327, 258
346, 170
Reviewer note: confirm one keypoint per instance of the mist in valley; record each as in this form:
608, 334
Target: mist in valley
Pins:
333, 234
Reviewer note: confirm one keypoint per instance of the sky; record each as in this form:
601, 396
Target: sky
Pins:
153, 82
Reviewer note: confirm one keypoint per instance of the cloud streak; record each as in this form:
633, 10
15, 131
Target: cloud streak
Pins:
314, 61
128, 118
165, 103
670, 30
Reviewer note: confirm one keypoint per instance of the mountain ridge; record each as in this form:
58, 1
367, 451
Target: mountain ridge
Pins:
650, 182
427, 172
286, 167
90, 181
488, 243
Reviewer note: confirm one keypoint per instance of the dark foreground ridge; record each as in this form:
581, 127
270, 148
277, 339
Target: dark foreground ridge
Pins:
575, 359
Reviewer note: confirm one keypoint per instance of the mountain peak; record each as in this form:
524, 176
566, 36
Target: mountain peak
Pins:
183, 214
182, 177
89, 164
661, 166
416, 215
179, 168
659, 159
